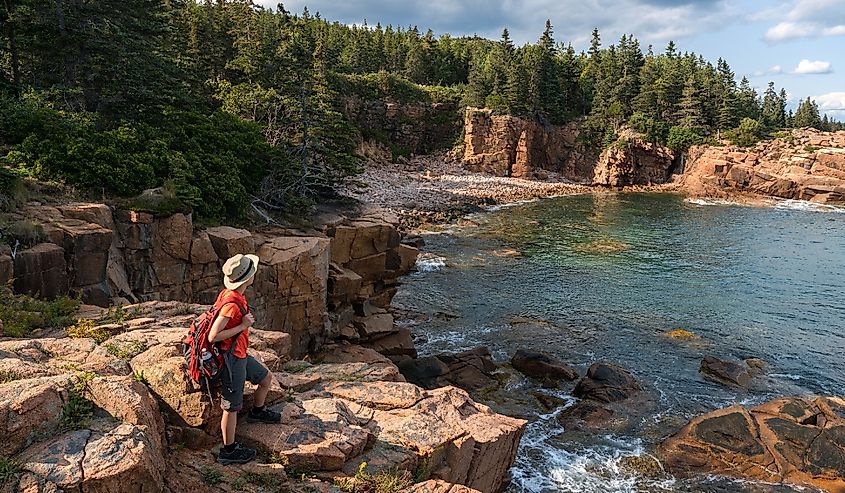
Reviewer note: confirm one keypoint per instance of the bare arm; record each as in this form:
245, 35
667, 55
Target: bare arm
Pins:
219, 333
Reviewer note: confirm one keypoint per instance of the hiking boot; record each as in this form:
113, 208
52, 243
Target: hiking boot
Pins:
263, 416
238, 455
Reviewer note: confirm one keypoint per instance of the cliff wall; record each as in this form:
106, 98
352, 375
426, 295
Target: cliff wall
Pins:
506, 145
806, 165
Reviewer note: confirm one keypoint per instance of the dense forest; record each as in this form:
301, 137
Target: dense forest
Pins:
230, 106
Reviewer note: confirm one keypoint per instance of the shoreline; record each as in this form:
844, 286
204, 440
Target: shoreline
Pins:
436, 190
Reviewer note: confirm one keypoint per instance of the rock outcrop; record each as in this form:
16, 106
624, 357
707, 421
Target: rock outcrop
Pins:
404, 129
336, 282
806, 165
799, 441
506, 145
351, 407
469, 370
632, 161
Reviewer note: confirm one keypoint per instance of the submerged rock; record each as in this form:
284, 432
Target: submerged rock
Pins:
543, 367
726, 372
606, 382
794, 440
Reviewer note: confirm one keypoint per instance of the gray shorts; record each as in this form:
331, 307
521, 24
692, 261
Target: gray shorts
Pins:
232, 385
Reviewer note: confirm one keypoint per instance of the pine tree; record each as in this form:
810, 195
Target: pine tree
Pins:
690, 114
807, 115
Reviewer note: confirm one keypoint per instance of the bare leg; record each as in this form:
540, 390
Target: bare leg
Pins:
262, 390
228, 424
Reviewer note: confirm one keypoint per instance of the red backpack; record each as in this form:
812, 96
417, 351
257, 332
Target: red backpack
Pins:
203, 358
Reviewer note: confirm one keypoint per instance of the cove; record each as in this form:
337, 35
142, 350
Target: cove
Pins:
604, 277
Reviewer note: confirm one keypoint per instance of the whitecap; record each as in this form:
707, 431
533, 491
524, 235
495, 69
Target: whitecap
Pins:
428, 262
710, 202
788, 376
803, 205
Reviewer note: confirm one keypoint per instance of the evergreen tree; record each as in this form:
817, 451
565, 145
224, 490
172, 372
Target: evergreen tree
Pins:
807, 115
689, 113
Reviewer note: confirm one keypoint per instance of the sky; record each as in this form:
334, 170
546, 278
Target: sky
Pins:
798, 44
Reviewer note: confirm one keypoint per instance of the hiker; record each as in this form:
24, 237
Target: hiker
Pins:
231, 327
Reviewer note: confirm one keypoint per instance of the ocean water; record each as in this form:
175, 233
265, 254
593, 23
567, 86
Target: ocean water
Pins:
603, 277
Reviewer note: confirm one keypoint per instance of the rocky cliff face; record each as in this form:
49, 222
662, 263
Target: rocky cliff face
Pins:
329, 284
505, 145
632, 161
414, 128
806, 165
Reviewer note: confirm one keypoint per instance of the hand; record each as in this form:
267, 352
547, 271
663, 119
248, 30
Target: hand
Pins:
247, 321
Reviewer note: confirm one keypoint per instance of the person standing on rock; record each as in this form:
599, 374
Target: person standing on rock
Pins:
232, 328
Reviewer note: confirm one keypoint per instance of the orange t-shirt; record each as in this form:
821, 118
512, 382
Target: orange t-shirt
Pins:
231, 310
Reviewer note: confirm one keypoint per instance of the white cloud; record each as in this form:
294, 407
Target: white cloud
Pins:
806, 67
651, 21
832, 101
807, 18
773, 70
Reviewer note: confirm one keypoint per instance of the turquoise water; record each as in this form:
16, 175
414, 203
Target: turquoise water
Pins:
604, 277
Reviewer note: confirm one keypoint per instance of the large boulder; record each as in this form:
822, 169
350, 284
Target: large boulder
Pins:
163, 367
290, 290
129, 401
119, 459
469, 370
228, 241
605, 382
29, 409
542, 366
798, 441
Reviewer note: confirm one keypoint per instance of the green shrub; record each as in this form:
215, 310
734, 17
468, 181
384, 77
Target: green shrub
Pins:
7, 376
681, 138
211, 476
78, 410
84, 328
12, 190
24, 233
382, 482
125, 351
266, 481
809, 148
652, 129
748, 133
8, 469
21, 314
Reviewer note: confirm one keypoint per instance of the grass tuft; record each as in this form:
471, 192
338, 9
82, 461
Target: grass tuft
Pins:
85, 328
8, 469
391, 481
211, 476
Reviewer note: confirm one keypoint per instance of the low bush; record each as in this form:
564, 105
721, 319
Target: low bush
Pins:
84, 328
21, 314
748, 133
78, 410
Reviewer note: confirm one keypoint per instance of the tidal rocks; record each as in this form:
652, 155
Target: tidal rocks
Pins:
469, 370
543, 367
798, 441
726, 372
606, 382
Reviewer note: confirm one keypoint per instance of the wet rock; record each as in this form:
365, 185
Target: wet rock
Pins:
726, 372
428, 372
797, 441
397, 346
543, 367
469, 370
606, 382
585, 415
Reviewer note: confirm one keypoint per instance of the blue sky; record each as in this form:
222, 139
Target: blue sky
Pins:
798, 44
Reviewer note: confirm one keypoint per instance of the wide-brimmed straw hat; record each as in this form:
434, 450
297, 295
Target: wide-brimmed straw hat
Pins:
239, 269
